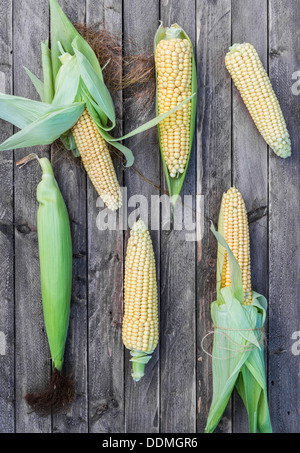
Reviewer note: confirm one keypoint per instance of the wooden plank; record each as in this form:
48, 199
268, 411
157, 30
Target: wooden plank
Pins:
213, 177
140, 24
71, 178
250, 157
284, 253
7, 424
105, 270
178, 289
32, 364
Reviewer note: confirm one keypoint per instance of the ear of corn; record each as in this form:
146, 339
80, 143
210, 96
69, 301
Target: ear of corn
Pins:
176, 82
238, 316
235, 230
55, 253
94, 150
173, 58
140, 323
253, 83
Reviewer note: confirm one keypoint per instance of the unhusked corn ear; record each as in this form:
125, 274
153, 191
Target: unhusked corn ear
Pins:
97, 161
173, 59
253, 83
140, 323
236, 232
55, 257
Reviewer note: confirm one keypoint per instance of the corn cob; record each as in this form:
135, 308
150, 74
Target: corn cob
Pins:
253, 83
236, 233
97, 162
173, 59
140, 323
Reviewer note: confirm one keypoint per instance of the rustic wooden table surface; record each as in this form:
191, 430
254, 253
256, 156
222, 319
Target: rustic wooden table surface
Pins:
175, 394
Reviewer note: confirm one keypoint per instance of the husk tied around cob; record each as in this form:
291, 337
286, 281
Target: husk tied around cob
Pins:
55, 253
75, 106
238, 317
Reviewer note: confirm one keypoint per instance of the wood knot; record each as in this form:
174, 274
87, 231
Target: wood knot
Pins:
101, 410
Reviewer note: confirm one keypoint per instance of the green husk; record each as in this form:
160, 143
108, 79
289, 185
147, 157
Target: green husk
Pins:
47, 71
21, 112
55, 254
238, 353
139, 360
175, 184
63, 32
46, 129
38, 84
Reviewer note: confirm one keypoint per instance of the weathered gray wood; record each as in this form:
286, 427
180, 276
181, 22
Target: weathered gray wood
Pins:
140, 24
32, 359
105, 278
7, 393
175, 394
284, 251
71, 178
250, 160
178, 289
213, 177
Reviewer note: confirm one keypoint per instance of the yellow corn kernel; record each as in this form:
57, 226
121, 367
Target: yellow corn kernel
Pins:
236, 231
253, 83
173, 59
140, 323
97, 161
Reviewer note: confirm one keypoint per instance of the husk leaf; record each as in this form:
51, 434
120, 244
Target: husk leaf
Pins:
47, 72
20, 111
67, 82
62, 31
46, 129
37, 83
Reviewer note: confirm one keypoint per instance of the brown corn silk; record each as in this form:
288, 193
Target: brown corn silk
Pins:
57, 396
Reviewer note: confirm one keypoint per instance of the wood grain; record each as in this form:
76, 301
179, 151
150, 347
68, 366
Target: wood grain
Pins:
213, 177
250, 162
178, 289
32, 359
7, 378
284, 243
